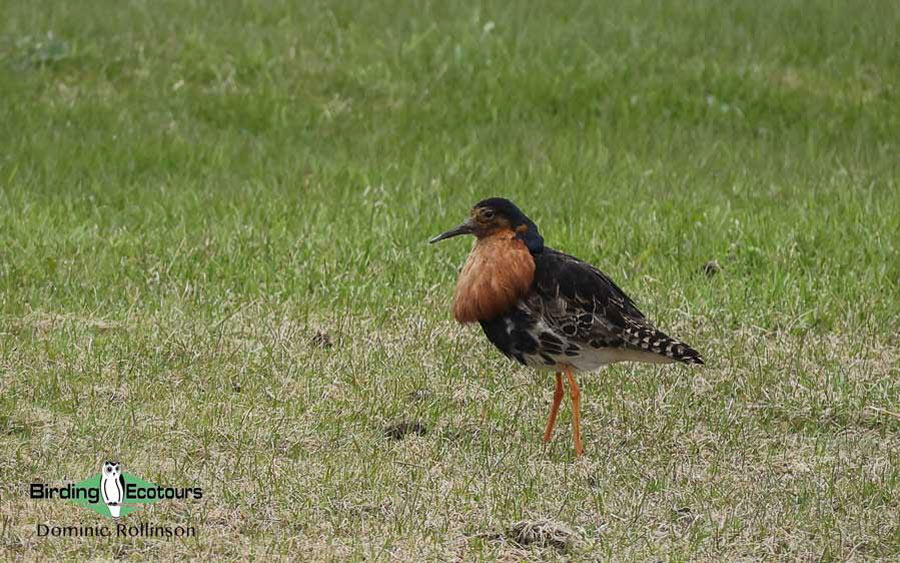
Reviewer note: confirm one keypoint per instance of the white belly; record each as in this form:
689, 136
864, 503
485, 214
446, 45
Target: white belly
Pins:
590, 359
112, 491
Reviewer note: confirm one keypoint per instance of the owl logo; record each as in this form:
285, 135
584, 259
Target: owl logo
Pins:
112, 486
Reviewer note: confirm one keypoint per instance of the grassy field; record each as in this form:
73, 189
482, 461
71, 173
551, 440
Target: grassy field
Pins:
213, 268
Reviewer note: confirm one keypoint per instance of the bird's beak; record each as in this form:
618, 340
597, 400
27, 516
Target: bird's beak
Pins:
464, 229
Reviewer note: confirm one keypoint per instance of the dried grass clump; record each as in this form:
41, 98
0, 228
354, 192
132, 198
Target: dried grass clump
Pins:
542, 533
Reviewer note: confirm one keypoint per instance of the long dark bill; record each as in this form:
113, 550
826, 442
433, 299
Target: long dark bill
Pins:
464, 229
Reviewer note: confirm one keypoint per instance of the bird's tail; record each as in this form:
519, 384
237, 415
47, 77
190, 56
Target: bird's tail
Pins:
653, 340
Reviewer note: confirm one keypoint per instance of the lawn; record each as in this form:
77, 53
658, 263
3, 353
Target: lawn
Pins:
214, 268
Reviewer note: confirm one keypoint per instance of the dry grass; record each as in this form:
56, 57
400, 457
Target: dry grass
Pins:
777, 449
214, 268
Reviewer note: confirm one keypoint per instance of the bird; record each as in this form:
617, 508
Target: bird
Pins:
548, 310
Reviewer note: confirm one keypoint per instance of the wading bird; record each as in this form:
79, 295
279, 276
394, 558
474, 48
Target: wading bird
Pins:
549, 310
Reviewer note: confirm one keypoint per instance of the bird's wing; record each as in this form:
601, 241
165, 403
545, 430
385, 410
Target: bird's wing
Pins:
582, 304
579, 299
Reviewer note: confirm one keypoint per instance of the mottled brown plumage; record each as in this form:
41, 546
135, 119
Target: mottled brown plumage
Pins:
549, 310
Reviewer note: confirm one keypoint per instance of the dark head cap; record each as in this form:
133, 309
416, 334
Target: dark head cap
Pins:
496, 213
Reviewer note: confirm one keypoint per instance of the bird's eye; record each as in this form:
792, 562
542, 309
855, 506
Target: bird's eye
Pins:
488, 213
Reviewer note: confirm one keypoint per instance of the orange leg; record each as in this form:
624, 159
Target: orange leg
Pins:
557, 398
575, 393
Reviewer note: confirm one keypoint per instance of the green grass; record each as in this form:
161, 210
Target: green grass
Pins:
213, 267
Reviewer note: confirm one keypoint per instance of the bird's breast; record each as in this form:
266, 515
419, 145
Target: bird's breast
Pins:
498, 272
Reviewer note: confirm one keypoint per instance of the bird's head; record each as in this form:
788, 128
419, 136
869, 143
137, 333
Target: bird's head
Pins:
111, 468
494, 215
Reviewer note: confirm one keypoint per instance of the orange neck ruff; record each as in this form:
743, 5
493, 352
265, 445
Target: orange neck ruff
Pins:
497, 273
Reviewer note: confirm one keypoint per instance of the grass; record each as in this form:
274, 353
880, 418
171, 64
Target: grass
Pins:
213, 268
